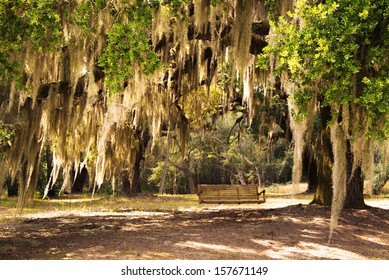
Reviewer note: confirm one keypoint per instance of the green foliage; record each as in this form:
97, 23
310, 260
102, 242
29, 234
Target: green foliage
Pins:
376, 100
271, 6
6, 137
27, 23
217, 2
177, 7
274, 159
268, 110
37, 24
129, 45
171, 178
43, 18
179, 166
226, 153
86, 13
338, 50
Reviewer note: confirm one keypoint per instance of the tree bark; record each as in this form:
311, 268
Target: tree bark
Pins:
12, 186
131, 181
241, 177
189, 174
137, 169
323, 178
311, 169
175, 182
323, 194
126, 184
143, 138
192, 185
185, 168
80, 181
165, 167
354, 193
324, 160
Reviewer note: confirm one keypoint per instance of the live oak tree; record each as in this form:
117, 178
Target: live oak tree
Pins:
332, 59
101, 82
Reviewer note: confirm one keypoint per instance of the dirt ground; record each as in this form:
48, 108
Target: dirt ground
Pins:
269, 231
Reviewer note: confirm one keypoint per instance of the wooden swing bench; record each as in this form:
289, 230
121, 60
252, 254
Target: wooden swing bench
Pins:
230, 194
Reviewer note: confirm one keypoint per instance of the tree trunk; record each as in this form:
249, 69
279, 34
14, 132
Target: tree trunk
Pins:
166, 166
354, 193
175, 182
143, 140
324, 161
137, 169
323, 178
259, 177
311, 169
126, 184
189, 174
185, 168
12, 186
323, 194
131, 181
241, 177
192, 185
80, 181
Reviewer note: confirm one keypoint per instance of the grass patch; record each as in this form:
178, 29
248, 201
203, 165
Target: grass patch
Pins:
142, 203
103, 204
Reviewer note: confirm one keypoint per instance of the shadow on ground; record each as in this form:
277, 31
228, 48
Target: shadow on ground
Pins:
293, 232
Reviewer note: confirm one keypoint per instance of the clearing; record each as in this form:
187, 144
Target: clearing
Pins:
177, 227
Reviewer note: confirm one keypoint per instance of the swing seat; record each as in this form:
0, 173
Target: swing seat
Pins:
230, 194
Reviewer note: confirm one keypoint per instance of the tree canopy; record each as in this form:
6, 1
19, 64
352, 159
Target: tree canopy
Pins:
335, 54
338, 49
97, 85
